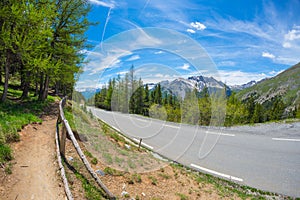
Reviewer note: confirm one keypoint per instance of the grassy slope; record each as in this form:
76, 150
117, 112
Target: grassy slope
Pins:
288, 82
14, 114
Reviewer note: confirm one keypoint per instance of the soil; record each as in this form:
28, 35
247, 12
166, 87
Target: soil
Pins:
166, 183
35, 169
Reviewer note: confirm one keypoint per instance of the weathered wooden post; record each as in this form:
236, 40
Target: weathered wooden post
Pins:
140, 143
63, 137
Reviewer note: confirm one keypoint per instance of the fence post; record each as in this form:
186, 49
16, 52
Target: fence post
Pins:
63, 139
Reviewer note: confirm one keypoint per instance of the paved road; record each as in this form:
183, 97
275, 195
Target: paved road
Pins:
260, 160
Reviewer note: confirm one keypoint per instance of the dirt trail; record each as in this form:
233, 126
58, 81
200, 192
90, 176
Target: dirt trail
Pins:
35, 169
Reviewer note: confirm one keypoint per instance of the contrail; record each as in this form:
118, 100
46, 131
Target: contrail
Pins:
146, 4
104, 29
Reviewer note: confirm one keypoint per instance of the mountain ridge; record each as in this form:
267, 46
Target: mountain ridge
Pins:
285, 85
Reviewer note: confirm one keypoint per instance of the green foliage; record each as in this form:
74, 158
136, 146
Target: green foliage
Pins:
113, 172
5, 153
284, 86
129, 95
88, 154
40, 43
8, 168
94, 161
135, 178
14, 115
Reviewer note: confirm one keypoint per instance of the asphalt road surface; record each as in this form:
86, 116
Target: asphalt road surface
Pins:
267, 158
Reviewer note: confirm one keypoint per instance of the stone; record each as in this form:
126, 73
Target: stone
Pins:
100, 172
124, 193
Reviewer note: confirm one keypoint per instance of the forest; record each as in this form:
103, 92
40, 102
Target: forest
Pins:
41, 45
129, 95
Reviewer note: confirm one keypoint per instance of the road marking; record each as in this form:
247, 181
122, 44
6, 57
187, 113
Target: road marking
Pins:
116, 129
141, 120
217, 173
217, 133
144, 144
171, 126
287, 139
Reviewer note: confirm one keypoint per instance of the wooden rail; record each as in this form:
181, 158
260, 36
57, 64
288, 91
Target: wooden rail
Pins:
66, 129
61, 167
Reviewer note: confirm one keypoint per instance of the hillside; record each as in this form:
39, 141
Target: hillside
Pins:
285, 85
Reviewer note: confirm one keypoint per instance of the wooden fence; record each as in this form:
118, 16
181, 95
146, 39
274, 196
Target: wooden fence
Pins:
61, 144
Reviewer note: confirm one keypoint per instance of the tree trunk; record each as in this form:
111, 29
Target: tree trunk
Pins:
57, 86
41, 87
0, 76
36, 88
26, 85
43, 95
6, 69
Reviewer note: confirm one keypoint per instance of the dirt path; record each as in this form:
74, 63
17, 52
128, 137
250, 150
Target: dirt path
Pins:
35, 170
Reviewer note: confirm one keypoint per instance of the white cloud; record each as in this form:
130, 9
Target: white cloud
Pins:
185, 66
102, 3
292, 35
227, 63
190, 31
239, 77
287, 45
134, 57
198, 26
267, 55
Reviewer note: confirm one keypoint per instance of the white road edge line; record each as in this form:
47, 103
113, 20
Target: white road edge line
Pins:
116, 129
287, 139
217, 173
144, 144
224, 134
142, 120
171, 126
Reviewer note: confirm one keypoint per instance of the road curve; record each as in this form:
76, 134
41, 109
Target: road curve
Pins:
257, 160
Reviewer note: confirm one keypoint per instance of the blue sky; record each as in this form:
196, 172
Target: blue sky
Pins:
241, 40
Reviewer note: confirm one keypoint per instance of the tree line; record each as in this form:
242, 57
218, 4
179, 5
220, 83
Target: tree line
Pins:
129, 95
41, 44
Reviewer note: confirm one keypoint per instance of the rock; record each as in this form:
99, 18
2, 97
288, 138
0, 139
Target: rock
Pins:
124, 187
124, 193
100, 172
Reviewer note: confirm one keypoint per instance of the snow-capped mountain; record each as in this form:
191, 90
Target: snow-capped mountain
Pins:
243, 86
180, 86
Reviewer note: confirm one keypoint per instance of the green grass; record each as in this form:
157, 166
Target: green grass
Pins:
112, 172
136, 178
5, 153
91, 192
94, 161
182, 196
14, 114
153, 180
